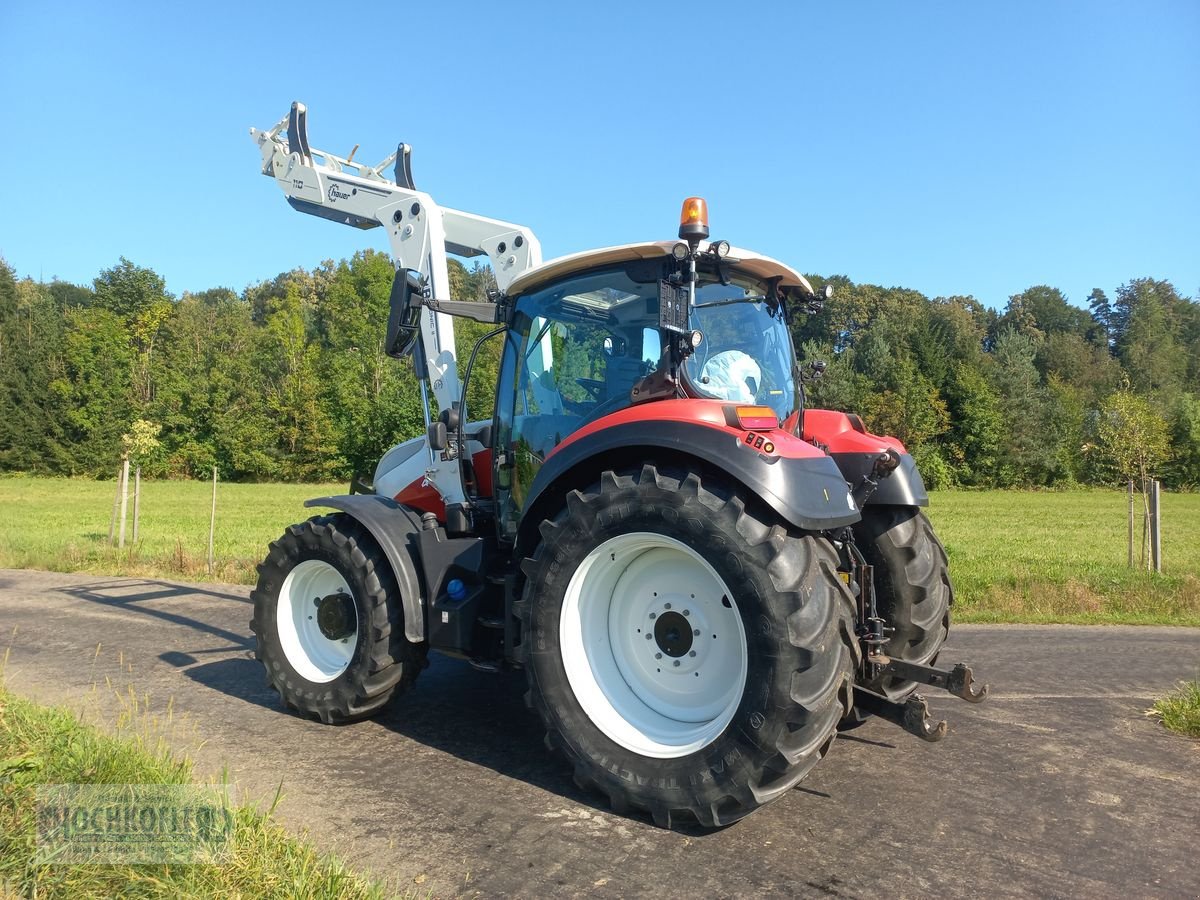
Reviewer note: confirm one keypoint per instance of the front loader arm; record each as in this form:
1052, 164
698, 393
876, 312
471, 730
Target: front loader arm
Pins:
332, 187
420, 234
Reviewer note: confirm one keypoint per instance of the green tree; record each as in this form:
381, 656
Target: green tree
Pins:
211, 391
1133, 436
372, 400
31, 417
93, 387
1184, 465
138, 296
1029, 451
1150, 317
1047, 310
977, 426
303, 432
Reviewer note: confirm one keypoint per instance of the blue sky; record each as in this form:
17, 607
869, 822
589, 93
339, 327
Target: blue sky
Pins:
963, 148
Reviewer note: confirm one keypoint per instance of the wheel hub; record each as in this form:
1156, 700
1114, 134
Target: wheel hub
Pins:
335, 616
653, 646
317, 620
673, 634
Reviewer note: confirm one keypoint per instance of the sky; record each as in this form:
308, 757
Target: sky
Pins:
958, 148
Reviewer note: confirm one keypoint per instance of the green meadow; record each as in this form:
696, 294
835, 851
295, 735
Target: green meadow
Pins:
1015, 556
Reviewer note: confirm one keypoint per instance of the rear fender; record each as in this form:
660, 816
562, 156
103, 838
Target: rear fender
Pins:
855, 450
394, 528
798, 482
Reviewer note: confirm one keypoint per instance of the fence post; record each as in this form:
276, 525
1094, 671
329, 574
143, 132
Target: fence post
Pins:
124, 500
137, 500
1156, 525
1147, 555
212, 522
112, 522
1130, 484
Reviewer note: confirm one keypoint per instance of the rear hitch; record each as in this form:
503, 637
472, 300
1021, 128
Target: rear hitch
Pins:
912, 715
958, 681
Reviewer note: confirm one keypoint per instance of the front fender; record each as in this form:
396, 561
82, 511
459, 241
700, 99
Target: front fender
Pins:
392, 526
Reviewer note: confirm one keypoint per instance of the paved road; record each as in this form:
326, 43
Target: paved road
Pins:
1058, 785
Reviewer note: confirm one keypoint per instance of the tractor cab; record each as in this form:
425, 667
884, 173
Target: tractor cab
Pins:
592, 340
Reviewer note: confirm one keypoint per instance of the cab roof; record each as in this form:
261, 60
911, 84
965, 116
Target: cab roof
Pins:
743, 260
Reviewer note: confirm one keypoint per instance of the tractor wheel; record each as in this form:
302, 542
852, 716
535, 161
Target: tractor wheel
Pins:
688, 654
328, 621
912, 587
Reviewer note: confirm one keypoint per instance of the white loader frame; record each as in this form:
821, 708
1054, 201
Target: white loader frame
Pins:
420, 233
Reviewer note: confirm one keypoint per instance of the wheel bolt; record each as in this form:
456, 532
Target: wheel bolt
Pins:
647, 636
676, 662
654, 615
687, 612
666, 606
658, 656
692, 653
695, 632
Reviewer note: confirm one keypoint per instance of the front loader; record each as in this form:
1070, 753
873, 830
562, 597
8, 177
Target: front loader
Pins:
701, 579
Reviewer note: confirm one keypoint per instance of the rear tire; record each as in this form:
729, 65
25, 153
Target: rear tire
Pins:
753, 631
343, 658
913, 592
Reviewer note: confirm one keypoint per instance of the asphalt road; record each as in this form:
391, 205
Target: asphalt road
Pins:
1058, 785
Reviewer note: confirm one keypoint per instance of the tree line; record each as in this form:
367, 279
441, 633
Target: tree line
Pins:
288, 381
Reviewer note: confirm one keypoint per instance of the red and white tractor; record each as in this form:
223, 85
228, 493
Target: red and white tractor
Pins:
701, 579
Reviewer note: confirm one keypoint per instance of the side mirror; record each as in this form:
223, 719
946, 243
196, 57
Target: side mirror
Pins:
404, 314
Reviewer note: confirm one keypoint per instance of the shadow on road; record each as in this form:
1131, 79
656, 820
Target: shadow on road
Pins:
126, 594
476, 717
238, 677
479, 718
482, 719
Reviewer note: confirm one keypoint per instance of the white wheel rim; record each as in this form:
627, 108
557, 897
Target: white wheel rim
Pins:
661, 694
310, 652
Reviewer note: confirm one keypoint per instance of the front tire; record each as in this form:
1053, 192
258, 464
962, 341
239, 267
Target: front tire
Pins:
689, 654
328, 622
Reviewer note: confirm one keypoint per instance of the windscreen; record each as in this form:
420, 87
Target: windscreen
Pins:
745, 354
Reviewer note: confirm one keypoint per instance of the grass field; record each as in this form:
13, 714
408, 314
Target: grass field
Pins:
1014, 556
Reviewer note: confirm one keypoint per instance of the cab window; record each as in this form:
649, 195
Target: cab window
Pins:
572, 355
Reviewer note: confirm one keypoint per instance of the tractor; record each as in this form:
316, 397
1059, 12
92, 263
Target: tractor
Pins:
702, 580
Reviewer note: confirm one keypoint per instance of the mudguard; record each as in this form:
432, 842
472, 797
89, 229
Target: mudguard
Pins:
904, 487
393, 527
855, 450
801, 484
